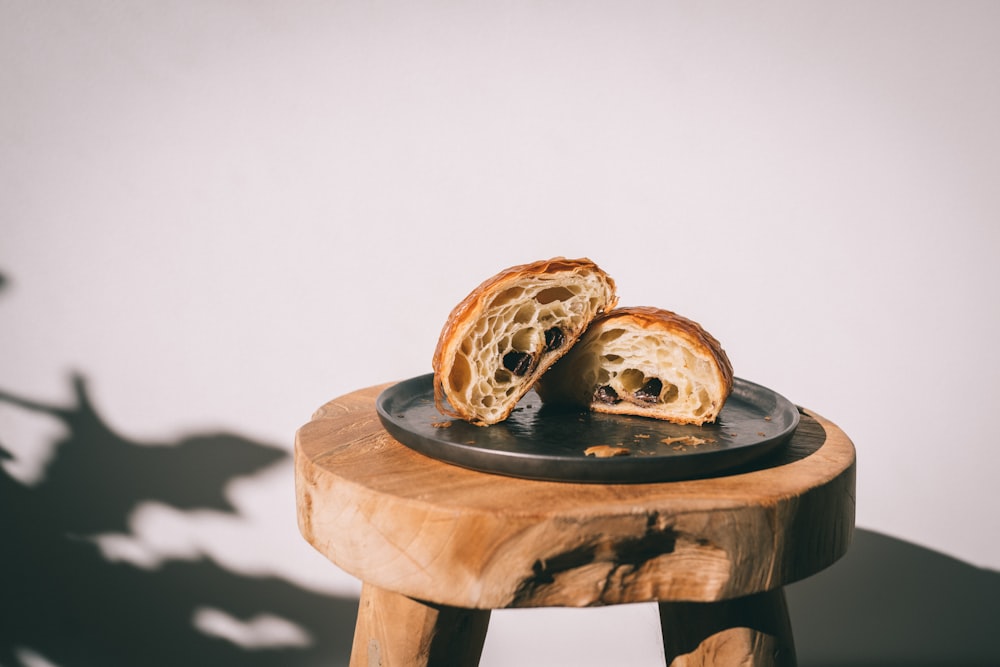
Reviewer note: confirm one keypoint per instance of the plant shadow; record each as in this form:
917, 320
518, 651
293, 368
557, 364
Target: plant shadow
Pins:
62, 600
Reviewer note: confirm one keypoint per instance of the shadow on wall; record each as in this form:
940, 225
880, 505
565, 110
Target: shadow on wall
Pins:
61, 601
890, 602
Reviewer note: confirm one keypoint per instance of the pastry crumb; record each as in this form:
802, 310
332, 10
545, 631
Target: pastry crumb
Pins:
444, 424
606, 451
691, 440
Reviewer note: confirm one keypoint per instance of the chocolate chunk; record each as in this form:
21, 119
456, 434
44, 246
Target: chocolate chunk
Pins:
606, 394
554, 338
518, 363
650, 391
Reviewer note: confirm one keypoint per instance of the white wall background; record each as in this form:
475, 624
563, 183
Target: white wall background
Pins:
226, 213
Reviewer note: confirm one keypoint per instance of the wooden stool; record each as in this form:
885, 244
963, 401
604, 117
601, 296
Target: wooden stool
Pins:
437, 546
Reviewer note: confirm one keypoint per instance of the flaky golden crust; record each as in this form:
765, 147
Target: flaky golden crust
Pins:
644, 361
472, 305
594, 287
648, 317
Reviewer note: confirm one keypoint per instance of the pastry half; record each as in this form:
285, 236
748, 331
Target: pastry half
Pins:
644, 361
498, 341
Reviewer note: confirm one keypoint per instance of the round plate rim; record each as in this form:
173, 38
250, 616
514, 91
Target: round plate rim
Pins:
528, 465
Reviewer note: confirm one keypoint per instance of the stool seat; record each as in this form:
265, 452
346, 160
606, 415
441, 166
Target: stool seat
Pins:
436, 542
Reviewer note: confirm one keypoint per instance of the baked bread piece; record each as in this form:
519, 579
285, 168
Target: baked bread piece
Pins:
509, 330
644, 361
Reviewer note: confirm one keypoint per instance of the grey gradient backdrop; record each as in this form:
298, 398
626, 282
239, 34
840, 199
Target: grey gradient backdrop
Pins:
223, 214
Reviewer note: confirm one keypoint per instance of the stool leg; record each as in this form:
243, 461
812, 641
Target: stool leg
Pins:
752, 631
394, 630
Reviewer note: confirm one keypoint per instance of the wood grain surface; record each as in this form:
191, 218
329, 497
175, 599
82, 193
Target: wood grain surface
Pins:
416, 526
393, 629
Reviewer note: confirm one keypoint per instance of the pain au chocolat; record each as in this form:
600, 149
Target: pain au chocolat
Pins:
499, 340
643, 361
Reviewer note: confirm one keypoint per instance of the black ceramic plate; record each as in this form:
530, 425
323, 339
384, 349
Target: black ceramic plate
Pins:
545, 442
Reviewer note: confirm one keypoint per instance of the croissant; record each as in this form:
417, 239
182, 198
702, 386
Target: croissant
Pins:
643, 361
499, 339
